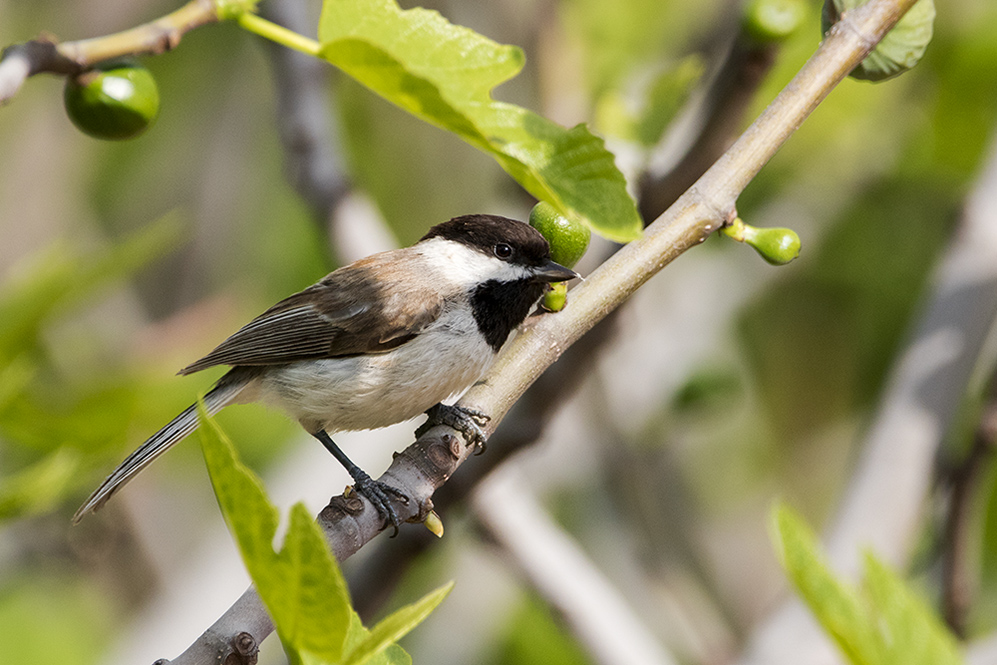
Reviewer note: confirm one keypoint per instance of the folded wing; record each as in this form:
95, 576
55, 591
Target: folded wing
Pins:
347, 313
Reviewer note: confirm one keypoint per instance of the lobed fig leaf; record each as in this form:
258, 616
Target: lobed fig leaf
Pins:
444, 74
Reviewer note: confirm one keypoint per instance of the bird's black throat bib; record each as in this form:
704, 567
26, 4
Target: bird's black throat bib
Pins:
501, 306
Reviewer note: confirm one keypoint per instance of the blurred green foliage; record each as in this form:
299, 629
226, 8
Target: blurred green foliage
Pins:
883, 623
534, 637
36, 607
51, 415
634, 34
665, 97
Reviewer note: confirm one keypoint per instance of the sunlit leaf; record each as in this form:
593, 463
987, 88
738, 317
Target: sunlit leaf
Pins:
914, 635
837, 607
301, 585
357, 635
396, 626
444, 74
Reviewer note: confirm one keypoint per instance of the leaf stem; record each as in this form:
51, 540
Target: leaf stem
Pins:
278, 34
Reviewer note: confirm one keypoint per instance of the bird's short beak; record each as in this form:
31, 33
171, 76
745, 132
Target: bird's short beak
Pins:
554, 272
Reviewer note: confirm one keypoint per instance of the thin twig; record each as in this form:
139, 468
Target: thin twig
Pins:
45, 55
350, 523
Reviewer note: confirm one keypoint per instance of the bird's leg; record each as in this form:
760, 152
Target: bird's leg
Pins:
375, 491
463, 419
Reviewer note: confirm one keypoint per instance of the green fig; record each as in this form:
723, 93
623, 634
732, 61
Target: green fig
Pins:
772, 21
568, 237
556, 298
778, 246
113, 101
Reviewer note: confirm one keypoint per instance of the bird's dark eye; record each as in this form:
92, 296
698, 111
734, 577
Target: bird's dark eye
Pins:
503, 251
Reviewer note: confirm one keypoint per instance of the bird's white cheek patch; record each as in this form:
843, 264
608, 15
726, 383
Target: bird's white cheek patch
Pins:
467, 267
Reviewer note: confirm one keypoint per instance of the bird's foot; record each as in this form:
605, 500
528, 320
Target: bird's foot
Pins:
381, 495
377, 493
465, 420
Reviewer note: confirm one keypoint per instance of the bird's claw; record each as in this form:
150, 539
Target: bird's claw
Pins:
380, 494
465, 420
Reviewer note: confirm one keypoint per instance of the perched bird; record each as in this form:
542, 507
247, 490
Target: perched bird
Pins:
376, 342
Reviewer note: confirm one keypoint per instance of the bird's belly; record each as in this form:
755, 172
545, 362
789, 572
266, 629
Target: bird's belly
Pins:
367, 392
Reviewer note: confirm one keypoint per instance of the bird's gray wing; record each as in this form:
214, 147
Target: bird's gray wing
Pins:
347, 313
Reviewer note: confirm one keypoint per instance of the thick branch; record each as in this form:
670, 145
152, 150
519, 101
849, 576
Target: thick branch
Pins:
707, 205
728, 97
381, 570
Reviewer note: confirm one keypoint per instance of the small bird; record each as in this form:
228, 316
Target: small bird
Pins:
376, 342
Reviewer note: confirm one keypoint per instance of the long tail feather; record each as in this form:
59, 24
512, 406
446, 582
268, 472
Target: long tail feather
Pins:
178, 428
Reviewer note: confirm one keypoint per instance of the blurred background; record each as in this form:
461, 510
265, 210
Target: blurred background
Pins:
650, 456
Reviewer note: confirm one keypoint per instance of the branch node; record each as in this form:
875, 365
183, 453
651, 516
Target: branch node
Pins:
245, 650
846, 23
168, 40
443, 454
425, 508
352, 503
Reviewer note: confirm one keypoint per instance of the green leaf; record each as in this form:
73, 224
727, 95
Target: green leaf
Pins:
39, 487
301, 585
395, 626
887, 625
357, 634
914, 635
836, 606
444, 74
